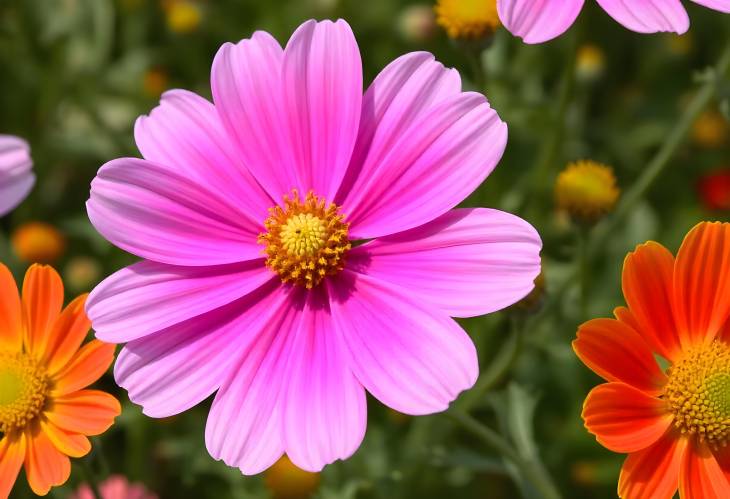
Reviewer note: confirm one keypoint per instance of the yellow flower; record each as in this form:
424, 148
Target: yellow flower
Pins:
38, 242
183, 16
46, 412
679, 44
154, 82
417, 23
467, 19
710, 130
286, 481
82, 272
590, 62
586, 190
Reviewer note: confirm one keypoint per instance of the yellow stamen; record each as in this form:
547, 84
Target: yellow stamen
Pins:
698, 393
24, 387
468, 19
305, 240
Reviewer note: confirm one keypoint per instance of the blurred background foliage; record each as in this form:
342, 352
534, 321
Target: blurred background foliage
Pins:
74, 75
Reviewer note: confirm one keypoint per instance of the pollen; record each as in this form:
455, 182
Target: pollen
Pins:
468, 19
586, 190
306, 240
24, 387
698, 393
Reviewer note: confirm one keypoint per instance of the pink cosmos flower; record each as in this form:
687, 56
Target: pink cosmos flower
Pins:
115, 487
248, 213
16, 175
538, 21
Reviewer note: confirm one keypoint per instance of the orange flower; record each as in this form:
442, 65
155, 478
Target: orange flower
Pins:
673, 423
45, 413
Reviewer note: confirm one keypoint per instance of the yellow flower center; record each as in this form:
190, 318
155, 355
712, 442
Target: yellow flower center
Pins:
24, 387
698, 393
586, 190
469, 19
305, 240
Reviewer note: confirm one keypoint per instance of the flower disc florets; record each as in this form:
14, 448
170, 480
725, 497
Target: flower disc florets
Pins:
698, 393
24, 387
305, 240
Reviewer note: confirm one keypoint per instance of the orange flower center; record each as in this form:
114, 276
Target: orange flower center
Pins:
305, 240
24, 387
698, 393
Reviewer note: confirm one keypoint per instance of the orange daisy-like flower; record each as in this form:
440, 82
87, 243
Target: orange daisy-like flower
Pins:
674, 423
45, 412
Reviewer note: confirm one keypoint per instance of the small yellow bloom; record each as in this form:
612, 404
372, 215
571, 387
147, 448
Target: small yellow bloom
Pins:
154, 82
417, 23
679, 44
590, 62
586, 190
710, 130
467, 19
285, 481
183, 16
584, 473
38, 242
82, 273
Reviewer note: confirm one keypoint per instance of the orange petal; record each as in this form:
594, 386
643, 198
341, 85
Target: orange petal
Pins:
42, 301
701, 476
647, 287
625, 419
45, 466
89, 412
68, 332
11, 325
723, 459
702, 281
616, 352
71, 444
12, 453
624, 315
85, 367
653, 473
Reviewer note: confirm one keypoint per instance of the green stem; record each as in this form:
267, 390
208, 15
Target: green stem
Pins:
660, 161
551, 146
584, 268
498, 368
91, 478
532, 471
651, 173
480, 75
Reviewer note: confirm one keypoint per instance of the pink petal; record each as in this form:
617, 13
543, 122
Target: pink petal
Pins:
185, 134
325, 413
247, 91
431, 167
648, 16
721, 5
244, 426
178, 367
148, 296
401, 94
16, 175
467, 262
322, 78
160, 215
409, 356
537, 21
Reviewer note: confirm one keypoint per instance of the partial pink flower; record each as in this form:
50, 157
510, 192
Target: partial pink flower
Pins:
16, 174
115, 487
537, 21
300, 245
